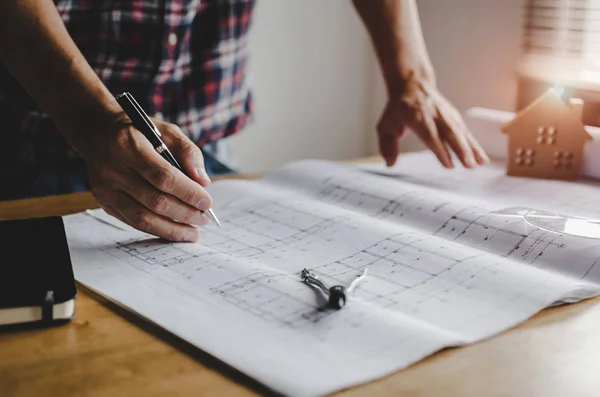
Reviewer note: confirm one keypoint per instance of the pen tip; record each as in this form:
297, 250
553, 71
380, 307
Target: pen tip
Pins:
210, 213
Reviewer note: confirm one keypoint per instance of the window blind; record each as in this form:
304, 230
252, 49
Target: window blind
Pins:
562, 40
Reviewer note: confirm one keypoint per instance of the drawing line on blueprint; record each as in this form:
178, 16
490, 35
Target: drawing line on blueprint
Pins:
257, 294
154, 252
397, 267
147, 271
397, 205
494, 239
255, 232
271, 229
393, 271
260, 295
457, 227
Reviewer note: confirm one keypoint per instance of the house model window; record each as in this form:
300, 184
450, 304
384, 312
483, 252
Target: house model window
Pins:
547, 138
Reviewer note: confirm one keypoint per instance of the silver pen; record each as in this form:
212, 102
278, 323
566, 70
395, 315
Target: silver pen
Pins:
142, 122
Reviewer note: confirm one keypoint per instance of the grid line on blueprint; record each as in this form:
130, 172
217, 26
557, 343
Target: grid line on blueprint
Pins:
402, 270
501, 235
469, 225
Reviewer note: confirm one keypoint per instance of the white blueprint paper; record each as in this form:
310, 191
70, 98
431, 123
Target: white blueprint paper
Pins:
441, 272
490, 184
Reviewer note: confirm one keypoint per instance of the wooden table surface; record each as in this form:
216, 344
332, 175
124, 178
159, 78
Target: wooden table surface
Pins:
106, 352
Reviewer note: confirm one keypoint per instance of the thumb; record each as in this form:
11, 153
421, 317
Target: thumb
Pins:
185, 152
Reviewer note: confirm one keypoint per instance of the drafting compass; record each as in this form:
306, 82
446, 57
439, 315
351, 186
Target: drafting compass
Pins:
337, 294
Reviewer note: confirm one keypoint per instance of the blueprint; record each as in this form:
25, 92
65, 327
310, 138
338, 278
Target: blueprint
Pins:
443, 270
490, 184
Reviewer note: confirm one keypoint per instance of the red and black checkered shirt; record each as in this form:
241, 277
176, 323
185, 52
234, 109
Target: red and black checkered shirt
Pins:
185, 61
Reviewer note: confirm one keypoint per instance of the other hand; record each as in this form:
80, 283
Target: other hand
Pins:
133, 183
421, 108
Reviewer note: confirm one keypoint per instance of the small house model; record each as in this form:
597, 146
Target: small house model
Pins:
547, 138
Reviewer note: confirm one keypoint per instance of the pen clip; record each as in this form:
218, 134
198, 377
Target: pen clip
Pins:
142, 113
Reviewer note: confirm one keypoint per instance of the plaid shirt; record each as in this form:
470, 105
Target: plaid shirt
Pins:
184, 61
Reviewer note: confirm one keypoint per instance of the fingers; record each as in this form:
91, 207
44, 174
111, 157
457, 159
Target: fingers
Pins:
458, 137
133, 183
458, 143
426, 129
161, 203
435, 121
435, 143
390, 130
388, 145
135, 214
185, 151
480, 155
112, 211
168, 179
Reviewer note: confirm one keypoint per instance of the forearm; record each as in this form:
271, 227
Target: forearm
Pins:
395, 31
37, 49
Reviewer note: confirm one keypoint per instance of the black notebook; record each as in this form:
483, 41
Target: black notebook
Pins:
36, 275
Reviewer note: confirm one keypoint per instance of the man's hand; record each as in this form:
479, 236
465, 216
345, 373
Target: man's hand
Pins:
133, 183
413, 99
129, 179
422, 109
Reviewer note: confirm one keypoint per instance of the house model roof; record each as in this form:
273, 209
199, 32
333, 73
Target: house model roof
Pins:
550, 110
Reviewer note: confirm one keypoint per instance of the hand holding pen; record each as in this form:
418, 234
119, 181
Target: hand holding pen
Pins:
134, 183
142, 122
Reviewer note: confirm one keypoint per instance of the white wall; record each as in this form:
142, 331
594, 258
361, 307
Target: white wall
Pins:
318, 88
474, 47
309, 66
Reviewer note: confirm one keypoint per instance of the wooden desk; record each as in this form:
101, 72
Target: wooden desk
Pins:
105, 352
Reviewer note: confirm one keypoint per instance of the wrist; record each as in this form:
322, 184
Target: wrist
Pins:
87, 131
402, 76
87, 112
